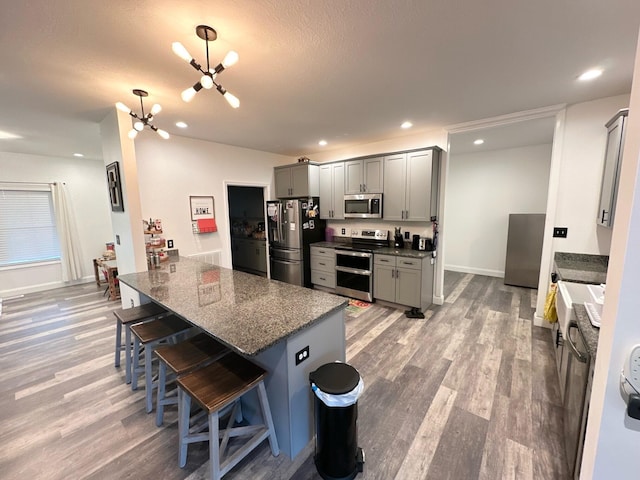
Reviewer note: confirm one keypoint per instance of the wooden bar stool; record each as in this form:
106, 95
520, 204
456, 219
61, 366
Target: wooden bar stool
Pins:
128, 317
149, 335
182, 358
213, 388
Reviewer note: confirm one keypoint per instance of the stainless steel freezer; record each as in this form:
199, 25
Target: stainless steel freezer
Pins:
524, 249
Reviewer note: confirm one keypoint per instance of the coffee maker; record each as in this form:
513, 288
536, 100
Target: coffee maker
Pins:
398, 241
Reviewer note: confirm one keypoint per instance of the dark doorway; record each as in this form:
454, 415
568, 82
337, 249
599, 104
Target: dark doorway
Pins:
248, 235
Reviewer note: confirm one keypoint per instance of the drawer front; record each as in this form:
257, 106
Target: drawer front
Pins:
323, 252
411, 263
389, 260
323, 264
324, 279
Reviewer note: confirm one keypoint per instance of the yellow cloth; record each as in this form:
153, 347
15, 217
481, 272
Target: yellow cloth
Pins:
550, 313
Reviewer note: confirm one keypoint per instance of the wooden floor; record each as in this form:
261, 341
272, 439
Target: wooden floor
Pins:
469, 392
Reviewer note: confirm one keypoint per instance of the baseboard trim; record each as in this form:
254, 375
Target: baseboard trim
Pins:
475, 271
42, 287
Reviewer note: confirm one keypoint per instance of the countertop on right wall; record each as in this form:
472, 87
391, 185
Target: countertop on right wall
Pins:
581, 267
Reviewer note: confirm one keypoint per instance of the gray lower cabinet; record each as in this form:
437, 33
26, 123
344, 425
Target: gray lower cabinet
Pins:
403, 280
411, 185
323, 267
249, 254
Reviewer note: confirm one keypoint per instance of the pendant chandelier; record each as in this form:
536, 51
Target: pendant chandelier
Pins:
142, 119
208, 78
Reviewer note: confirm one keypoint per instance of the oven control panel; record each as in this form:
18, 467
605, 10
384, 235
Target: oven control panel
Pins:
371, 234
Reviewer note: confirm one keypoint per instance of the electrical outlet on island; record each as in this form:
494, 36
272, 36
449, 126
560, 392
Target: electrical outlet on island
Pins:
406, 236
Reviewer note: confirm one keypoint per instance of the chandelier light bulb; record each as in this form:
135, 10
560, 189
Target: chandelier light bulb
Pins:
132, 134
155, 109
230, 59
232, 99
138, 126
213, 73
206, 81
188, 94
122, 107
180, 51
163, 134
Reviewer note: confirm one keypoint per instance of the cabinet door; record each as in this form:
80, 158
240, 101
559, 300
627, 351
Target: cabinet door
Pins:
395, 175
353, 177
283, 182
408, 287
384, 283
338, 191
609, 176
261, 256
300, 181
418, 196
326, 191
373, 174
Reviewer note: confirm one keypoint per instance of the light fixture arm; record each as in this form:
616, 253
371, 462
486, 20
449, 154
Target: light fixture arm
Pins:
143, 119
207, 80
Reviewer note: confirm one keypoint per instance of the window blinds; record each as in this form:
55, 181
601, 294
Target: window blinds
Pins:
27, 227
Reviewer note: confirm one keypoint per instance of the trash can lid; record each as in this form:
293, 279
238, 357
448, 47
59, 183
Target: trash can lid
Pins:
335, 378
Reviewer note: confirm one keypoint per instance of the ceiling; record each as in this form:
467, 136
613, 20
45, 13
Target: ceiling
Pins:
349, 72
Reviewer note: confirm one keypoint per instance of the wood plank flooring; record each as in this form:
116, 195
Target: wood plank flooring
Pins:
469, 392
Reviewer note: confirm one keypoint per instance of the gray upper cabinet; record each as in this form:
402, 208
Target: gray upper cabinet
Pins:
611, 171
411, 185
364, 176
332, 191
299, 180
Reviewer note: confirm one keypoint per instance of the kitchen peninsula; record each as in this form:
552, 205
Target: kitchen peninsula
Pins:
269, 322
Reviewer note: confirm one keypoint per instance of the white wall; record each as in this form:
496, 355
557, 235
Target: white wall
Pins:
584, 143
169, 171
86, 184
482, 190
611, 447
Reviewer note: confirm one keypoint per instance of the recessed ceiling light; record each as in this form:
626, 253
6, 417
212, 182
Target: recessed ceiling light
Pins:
478, 141
7, 135
181, 125
322, 143
590, 74
406, 125
78, 155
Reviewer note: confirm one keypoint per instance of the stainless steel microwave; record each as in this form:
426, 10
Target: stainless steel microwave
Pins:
364, 205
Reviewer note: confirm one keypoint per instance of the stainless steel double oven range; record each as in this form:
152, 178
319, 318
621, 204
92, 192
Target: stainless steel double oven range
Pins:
354, 263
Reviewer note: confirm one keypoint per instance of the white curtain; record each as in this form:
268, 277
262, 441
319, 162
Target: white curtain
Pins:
70, 254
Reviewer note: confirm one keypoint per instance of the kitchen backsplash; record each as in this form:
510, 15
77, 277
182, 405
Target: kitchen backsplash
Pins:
414, 228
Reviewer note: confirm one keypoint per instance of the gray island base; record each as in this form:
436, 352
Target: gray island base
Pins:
269, 322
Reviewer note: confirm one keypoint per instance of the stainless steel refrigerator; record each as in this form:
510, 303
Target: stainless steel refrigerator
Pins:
292, 225
524, 249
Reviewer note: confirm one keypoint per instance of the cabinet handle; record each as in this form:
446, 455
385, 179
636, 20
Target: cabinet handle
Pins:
364, 187
322, 278
392, 274
402, 214
604, 212
384, 260
323, 264
397, 273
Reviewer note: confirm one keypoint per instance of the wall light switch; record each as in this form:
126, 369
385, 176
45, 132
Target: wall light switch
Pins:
169, 243
406, 236
117, 239
344, 231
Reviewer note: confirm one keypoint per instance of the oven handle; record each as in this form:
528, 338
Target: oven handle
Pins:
355, 271
349, 253
581, 357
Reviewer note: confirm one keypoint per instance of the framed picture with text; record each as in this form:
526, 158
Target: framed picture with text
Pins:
115, 188
201, 208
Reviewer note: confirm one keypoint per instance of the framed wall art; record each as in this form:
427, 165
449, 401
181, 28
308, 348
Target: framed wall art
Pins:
115, 188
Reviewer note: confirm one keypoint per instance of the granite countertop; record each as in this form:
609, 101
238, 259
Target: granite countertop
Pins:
399, 252
246, 312
581, 268
589, 332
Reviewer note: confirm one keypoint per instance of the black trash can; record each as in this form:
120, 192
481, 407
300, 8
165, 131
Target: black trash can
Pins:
336, 388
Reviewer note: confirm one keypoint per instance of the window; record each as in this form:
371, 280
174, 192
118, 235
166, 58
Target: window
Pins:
27, 227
